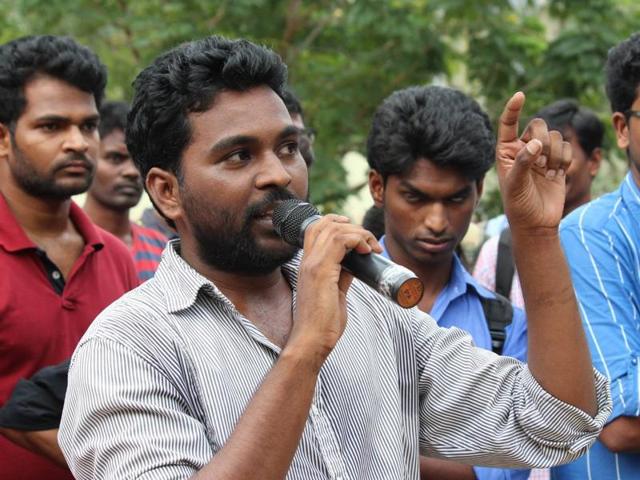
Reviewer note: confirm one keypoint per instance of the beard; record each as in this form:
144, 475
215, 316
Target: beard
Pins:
45, 185
231, 249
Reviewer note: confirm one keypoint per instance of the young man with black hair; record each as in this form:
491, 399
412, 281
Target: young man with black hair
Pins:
601, 241
494, 267
116, 188
57, 270
307, 135
429, 149
242, 358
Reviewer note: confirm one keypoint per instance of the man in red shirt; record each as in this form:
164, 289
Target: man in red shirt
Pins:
116, 188
57, 270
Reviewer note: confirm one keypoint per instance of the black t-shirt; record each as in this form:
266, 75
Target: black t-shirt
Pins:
36, 403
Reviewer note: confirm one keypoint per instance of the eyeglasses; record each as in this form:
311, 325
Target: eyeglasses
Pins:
632, 113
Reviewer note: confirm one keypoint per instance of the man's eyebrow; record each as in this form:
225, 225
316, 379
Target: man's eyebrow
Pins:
289, 130
63, 119
238, 140
233, 141
405, 184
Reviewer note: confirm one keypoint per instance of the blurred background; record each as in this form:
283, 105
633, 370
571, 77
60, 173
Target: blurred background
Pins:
345, 56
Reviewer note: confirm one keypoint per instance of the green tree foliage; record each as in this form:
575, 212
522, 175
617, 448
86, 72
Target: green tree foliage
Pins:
345, 56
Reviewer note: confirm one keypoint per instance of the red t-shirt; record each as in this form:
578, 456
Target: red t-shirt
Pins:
146, 247
41, 327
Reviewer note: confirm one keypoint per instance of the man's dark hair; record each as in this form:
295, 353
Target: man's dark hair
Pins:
373, 221
113, 116
439, 124
291, 102
623, 73
564, 114
185, 80
59, 57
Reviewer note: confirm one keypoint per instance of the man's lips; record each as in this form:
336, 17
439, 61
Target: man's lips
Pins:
129, 189
76, 166
435, 244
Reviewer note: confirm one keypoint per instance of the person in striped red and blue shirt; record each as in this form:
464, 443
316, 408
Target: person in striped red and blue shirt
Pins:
116, 188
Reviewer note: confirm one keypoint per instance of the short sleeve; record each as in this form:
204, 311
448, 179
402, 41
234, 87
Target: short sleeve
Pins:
116, 403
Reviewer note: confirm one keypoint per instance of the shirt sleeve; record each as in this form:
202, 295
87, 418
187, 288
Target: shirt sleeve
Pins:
482, 409
110, 412
604, 274
36, 403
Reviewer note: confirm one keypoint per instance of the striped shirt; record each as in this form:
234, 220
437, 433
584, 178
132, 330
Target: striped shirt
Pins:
601, 242
161, 378
146, 247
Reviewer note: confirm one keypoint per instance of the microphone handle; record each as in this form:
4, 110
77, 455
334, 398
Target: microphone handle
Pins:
397, 283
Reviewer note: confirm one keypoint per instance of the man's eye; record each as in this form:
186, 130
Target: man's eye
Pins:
291, 148
90, 127
49, 127
458, 199
411, 197
239, 157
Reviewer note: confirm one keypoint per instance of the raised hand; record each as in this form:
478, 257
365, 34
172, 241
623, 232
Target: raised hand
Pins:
531, 169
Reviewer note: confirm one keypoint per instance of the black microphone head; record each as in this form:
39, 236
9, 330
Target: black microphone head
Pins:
288, 217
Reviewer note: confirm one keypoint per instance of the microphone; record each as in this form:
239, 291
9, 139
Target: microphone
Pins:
399, 284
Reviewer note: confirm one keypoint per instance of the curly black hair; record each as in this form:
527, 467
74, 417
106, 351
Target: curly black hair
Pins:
440, 124
623, 73
566, 113
58, 57
185, 80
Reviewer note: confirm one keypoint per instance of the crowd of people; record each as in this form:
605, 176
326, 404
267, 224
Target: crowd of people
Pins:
200, 344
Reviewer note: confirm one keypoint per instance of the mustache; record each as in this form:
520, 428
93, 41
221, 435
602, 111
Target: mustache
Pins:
75, 158
267, 203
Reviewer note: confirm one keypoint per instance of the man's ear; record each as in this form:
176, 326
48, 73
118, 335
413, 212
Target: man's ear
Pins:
376, 187
163, 188
622, 130
594, 161
5, 140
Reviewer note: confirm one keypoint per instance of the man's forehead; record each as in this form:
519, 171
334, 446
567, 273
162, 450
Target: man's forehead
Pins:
46, 95
241, 113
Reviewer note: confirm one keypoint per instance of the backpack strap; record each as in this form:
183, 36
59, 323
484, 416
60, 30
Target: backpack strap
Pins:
505, 267
498, 312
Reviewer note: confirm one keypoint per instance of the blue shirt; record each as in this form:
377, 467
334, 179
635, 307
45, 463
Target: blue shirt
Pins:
458, 305
601, 241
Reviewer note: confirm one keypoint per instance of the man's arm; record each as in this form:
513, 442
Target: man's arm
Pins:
42, 442
622, 435
531, 172
444, 470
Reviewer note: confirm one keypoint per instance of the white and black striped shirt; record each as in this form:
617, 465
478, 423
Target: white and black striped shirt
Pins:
162, 376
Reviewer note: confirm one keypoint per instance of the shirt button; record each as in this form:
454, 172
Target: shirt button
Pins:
314, 410
56, 275
634, 361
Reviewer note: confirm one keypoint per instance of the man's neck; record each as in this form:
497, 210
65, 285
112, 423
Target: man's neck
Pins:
434, 276
570, 207
113, 221
635, 173
39, 217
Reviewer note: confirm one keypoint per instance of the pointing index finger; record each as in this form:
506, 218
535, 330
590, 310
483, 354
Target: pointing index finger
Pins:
508, 126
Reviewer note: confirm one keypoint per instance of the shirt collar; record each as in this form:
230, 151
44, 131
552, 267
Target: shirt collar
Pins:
460, 280
182, 283
13, 237
631, 193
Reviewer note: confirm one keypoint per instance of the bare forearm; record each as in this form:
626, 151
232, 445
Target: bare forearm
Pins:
267, 435
558, 354
444, 470
622, 435
42, 442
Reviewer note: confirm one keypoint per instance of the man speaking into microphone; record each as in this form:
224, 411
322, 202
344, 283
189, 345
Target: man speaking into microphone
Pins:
244, 358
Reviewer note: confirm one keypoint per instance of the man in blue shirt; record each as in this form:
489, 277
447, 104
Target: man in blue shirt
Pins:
429, 149
602, 242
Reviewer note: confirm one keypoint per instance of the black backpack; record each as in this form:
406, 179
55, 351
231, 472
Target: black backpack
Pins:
499, 311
